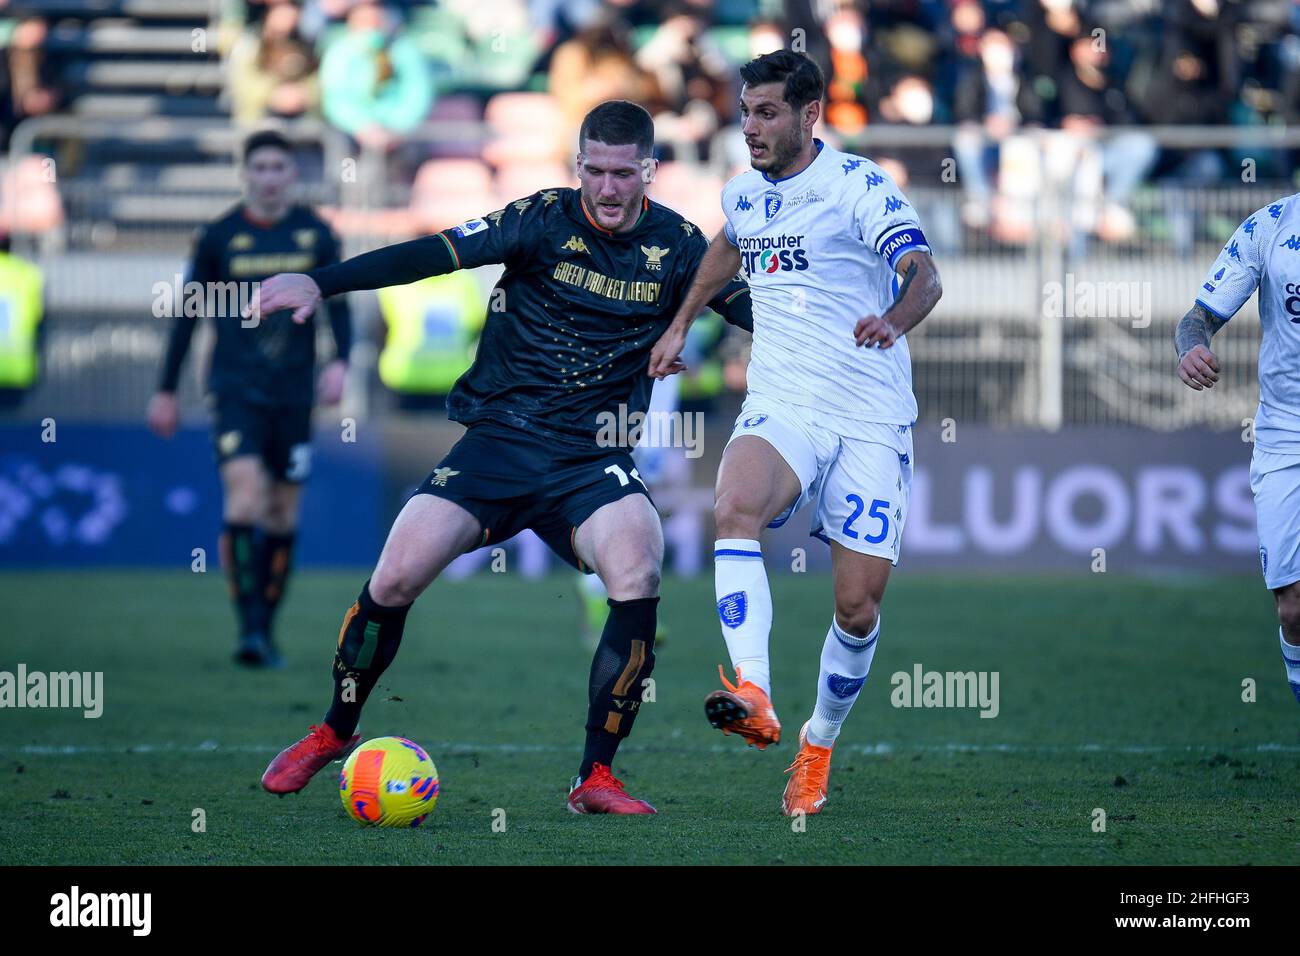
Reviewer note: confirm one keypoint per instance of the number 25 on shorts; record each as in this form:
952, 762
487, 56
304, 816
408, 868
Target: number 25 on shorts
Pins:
878, 509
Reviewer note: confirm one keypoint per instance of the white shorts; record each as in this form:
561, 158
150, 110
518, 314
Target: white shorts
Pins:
1275, 482
861, 485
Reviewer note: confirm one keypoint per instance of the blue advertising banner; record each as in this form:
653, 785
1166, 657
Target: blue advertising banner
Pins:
99, 495
981, 499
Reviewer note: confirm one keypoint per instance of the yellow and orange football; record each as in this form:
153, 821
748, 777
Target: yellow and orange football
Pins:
389, 782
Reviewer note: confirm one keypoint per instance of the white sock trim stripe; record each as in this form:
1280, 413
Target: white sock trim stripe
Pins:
855, 643
742, 549
1290, 652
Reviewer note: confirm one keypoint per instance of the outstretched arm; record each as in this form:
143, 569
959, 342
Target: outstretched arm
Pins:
1198, 367
392, 265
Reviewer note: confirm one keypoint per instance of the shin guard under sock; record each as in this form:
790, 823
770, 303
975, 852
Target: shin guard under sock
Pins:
623, 660
368, 642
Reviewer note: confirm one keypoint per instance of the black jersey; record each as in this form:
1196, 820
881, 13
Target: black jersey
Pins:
571, 322
273, 361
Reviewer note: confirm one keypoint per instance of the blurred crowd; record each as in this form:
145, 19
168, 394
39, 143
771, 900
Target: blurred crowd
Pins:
371, 70
993, 68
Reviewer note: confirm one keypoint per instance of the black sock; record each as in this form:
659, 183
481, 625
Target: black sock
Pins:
275, 560
368, 642
624, 658
239, 557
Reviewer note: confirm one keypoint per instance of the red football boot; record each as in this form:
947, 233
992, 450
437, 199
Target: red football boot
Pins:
602, 792
295, 765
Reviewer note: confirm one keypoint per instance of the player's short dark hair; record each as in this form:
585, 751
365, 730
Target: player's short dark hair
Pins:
802, 77
266, 137
617, 123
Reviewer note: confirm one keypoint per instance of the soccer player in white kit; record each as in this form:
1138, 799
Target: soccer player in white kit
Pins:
1264, 254
838, 271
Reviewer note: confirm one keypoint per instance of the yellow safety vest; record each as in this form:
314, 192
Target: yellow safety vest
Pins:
704, 379
433, 328
20, 314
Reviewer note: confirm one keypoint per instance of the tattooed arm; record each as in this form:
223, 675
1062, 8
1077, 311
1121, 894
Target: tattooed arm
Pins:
913, 303
1197, 365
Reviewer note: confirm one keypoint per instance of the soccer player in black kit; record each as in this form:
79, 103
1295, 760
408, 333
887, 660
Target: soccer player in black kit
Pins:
259, 383
592, 278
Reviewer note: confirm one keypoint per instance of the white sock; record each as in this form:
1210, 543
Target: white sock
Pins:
845, 662
744, 606
1291, 655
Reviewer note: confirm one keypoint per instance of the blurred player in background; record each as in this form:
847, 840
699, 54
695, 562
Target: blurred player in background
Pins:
822, 236
1264, 254
259, 383
592, 278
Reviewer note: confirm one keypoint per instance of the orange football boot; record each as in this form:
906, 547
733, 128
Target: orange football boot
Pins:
810, 776
745, 710
295, 765
602, 792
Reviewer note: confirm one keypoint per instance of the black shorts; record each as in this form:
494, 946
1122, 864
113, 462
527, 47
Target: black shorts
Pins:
511, 480
280, 435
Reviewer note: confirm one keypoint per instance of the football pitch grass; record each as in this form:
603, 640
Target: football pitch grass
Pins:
1119, 694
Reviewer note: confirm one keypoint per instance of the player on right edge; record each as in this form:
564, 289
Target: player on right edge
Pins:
1264, 254
838, 272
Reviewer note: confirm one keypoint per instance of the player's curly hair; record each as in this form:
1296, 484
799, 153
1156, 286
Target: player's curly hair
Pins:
616, 123
802, 77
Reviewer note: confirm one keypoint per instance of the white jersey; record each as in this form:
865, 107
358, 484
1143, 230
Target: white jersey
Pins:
1264, 253
818, 249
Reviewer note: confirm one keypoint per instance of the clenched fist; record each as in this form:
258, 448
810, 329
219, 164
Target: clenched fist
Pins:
1199, 367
